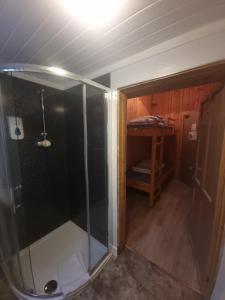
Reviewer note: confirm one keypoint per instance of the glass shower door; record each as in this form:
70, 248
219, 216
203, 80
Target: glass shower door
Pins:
12, 219
96, 119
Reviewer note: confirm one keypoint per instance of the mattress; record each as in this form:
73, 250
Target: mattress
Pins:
144, 166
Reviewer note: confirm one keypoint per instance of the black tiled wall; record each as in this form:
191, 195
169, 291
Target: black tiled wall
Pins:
44, 172
53, 179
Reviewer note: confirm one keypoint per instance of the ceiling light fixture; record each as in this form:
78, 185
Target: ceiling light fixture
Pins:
94, 13
57, 71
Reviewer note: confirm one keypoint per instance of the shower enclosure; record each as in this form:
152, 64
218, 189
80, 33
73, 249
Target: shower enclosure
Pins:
53, 180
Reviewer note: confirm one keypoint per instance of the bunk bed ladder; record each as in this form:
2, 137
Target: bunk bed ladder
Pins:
161, 149
156, 171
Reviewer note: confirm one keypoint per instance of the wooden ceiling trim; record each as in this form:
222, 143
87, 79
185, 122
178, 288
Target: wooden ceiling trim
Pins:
193, 77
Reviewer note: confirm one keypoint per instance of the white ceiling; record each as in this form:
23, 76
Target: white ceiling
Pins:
43, 32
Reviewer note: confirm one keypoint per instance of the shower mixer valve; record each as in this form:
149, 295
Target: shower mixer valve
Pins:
44, 134
44, 143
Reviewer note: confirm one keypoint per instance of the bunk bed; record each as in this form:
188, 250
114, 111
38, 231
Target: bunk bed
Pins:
159, 171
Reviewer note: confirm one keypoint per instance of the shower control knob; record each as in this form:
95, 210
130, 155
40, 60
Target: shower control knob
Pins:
17, 131
17, 199
18, 187
19, 205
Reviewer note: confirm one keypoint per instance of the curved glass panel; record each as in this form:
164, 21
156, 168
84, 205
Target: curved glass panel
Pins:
12, 226
53, 210
98, 173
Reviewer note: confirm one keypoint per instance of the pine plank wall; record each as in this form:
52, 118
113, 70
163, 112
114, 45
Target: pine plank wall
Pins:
173, 104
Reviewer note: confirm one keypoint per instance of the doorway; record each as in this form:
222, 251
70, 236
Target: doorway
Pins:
160, 229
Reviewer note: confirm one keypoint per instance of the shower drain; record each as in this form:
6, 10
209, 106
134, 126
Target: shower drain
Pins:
51, 286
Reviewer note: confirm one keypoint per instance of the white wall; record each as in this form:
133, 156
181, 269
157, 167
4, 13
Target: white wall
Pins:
190, 50
202, 46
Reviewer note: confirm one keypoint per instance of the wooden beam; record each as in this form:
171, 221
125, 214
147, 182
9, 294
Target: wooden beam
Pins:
122, 125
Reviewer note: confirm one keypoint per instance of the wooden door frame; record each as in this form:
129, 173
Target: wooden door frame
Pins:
122, 160
197, 76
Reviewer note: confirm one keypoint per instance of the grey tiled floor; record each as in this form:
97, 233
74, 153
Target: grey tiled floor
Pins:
133, 277
130, 276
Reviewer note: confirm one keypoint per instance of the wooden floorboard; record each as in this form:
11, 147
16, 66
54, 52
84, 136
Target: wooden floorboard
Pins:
160, 234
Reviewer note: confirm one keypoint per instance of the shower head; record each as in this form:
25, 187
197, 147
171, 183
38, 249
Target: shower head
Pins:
40, 91
44, 143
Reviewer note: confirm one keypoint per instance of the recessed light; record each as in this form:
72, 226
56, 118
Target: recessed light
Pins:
94, 13
57, 71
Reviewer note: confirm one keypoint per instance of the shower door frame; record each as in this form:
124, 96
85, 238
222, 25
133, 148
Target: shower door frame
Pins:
111, 95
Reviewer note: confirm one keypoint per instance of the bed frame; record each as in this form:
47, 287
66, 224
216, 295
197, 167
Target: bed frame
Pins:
158, 175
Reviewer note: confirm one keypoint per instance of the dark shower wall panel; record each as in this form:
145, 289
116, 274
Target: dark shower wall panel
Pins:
53, 179
96, 115
43, 171
104, 80
97, 163
8, 109
75, 156
57, 163
8, 242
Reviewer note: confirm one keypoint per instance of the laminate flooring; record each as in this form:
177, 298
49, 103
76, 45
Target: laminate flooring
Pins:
160, 233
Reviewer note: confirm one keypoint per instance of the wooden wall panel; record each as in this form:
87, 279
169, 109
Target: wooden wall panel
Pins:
138, 107
139, 148
171, 104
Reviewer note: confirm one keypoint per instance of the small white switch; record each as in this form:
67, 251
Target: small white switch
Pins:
15, 126
193, 127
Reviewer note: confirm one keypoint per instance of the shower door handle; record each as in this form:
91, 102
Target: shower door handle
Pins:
18, 187
17, 197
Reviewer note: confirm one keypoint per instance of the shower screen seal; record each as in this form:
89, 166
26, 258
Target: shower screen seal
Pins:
84, 89
20, 67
